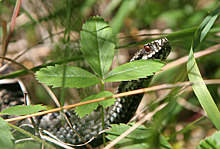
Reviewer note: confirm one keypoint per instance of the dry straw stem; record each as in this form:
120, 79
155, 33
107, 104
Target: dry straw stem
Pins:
139, 91
135, 126
196, 55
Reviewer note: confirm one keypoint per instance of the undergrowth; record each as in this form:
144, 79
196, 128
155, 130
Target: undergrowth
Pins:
98, 44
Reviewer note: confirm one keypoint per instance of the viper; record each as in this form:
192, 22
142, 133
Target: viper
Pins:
89, 128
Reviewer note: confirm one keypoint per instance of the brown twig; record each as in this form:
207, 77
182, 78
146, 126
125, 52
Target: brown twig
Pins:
135, 126
139, 91
12, 24
196, 55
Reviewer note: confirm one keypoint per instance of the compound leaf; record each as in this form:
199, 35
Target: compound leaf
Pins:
98, 45
75, 77
23, 110
83, 110
134, 70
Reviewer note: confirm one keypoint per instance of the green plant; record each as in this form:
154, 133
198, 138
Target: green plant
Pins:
98, 50
183, 17
98, 45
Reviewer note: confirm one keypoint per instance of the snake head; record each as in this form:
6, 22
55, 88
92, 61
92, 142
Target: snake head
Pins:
157, 49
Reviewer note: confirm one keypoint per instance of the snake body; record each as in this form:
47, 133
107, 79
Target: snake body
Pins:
122, 111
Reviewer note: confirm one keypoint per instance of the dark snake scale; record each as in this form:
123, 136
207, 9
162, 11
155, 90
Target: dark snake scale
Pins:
89, 126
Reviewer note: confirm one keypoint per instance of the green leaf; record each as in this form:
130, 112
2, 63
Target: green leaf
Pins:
81, 111
98, 45
139, 138
194, 75
75, 77
27, 144
204, 27
106, 103
134, 70
210, 142
137, 134
5, 135
216, 137
23, 110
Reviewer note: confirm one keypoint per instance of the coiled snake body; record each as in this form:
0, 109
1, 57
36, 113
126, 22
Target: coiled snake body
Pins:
121, 112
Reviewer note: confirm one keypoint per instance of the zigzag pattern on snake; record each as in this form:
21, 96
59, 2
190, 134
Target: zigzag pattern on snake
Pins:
121, 112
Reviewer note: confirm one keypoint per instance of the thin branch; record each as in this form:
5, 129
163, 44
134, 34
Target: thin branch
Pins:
12, 24
135, 126
139, 91
184, 59
11, 60
30, 135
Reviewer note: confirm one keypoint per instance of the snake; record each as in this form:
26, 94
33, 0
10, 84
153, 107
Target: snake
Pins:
90, 126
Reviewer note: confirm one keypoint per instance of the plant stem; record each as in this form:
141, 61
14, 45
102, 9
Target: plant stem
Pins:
103, 122
67, 41
31, 135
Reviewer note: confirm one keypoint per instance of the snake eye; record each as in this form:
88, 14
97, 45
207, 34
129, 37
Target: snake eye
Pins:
147, 48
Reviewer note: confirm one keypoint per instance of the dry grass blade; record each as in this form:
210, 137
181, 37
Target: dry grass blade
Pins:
147, 117
185, 58
139, 91
19, 64
66, 118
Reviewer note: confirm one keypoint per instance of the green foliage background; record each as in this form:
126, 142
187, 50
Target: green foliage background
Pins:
134, 23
